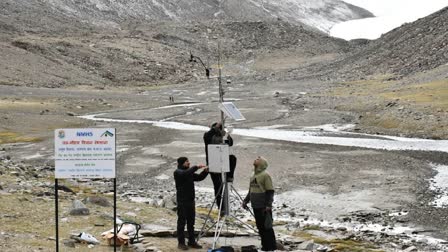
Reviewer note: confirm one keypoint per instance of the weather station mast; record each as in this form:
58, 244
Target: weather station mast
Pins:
221, 152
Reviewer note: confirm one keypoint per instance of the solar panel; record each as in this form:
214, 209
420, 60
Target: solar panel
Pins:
231, 111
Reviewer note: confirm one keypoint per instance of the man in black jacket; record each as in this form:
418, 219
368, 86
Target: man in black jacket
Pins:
215, 136
184, 176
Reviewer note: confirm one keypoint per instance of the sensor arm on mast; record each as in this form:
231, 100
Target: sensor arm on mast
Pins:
195, 59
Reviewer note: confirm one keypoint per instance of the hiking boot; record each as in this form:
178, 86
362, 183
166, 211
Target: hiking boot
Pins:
182, 246
194, 245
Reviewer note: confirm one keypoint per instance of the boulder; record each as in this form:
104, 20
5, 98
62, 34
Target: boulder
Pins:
410, 249
69, 243
169, 202
78, 208
307, 245
100, 201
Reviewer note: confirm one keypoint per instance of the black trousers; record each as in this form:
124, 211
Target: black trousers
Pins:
217, 178
232, 164
265, 229
217, 181
185, 215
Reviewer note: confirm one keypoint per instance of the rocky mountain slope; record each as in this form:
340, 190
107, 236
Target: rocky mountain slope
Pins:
101, 42
71, 52
320, 14
63, 43
412, 48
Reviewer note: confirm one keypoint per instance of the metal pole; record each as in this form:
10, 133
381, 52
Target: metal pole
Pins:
221, 99
56, 212
221, 206
221, 91
202, 233
115, 198
115, 214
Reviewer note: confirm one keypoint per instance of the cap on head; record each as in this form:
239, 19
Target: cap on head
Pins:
215, 125
181, 161
262, 163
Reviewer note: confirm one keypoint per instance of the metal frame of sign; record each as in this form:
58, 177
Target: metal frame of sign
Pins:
82, 157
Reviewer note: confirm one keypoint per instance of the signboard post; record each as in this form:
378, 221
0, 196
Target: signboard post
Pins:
85, 153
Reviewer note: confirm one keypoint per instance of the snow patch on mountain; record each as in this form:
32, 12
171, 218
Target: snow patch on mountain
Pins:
389, 15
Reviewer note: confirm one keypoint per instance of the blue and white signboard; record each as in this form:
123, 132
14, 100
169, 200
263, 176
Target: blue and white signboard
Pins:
85, 153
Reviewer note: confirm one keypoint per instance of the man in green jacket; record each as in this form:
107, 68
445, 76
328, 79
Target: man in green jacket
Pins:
261, 196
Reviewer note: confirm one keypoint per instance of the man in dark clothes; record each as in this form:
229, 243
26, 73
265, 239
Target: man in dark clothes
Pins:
184, 176
215, 136
261, 196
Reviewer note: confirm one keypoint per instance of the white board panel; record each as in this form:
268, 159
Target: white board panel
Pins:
84, 153
218, 158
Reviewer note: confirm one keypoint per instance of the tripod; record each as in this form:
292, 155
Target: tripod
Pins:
224, 211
